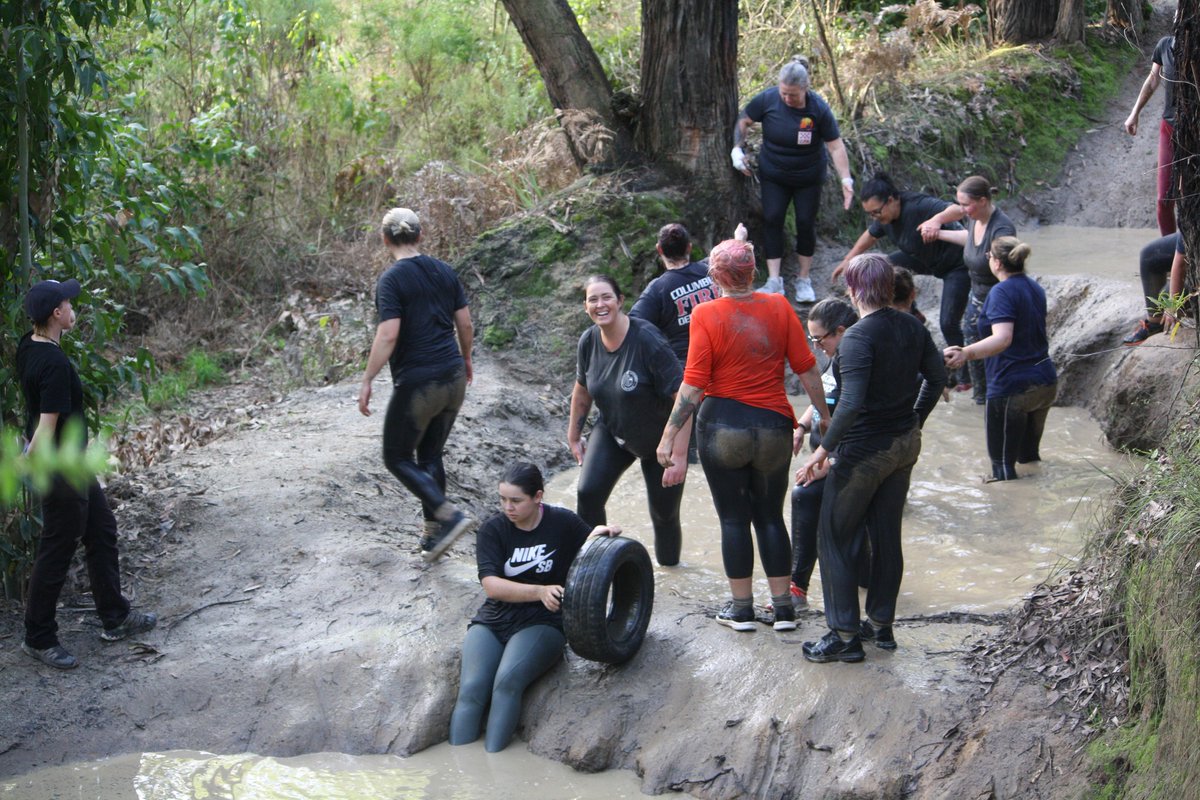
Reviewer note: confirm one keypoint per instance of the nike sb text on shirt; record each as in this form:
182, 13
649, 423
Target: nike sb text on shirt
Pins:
524, 559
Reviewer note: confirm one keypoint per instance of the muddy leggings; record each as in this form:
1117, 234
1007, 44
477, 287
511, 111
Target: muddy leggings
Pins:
1154, 266
1014, 428
418, 422
806, 518
497, 674
746, 453
604, 461
976, 368
864, 498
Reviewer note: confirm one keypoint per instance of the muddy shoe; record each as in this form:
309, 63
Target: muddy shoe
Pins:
772, 286
135, 622
55, 656
799, 598
881, 636
739, 620
1145, 329
832, 648
449, 530
785, 618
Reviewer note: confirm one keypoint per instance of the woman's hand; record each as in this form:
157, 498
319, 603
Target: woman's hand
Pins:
674, 474
740, 233
847, 194
798, 440
819, 472
929, 230
955, 357
364, 399
814, 468
665, 447
578, 447
738, 157
606, 530
551, 597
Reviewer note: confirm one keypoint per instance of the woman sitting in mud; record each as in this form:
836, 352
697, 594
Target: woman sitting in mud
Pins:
629, 371
1022, 381
739, 343
523, 554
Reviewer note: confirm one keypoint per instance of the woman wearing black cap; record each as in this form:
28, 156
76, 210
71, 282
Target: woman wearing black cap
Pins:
53, 396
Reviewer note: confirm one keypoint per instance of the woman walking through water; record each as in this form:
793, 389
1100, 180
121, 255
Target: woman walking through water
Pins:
424, 335
1022, 381
800, 136
875, 436
740, 342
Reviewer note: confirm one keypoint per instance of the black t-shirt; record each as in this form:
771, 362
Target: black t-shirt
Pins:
879, 356
1164, 56
975, 254
793, 148
541, 557
50, 385
634, 387
423, 293
933, 258
668, 300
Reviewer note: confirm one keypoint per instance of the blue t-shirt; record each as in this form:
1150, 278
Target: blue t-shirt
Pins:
424, 294
793, 147
1026, 362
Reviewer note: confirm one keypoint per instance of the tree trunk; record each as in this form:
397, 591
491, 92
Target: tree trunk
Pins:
1126, 15
1021, 21
1187, 137
689, 87
1069, 27
573, 77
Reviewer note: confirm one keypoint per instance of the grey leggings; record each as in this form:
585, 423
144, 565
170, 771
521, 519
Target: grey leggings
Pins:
498, 674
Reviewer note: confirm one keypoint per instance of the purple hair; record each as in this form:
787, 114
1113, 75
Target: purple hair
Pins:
872, 278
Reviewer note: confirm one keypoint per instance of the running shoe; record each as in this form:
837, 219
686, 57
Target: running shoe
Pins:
773, 285
54, 656
799, 598
450, 530
881, 636
741, 620
785, 618
1144, 330
135, 622
804, 291
832, 648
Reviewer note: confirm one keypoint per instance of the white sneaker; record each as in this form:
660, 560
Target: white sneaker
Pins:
773, 285
804, 291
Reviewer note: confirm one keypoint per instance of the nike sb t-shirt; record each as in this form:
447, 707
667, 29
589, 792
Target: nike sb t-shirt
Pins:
541, 557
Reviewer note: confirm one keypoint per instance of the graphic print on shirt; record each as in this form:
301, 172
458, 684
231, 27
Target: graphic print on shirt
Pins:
524, 559
629, 381
805, 135
689, 296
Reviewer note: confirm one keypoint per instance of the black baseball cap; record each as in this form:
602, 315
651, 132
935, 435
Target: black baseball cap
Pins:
45, 296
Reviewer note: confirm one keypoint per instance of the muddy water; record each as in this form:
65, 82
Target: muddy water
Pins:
968, 546
1103, 252
462, 773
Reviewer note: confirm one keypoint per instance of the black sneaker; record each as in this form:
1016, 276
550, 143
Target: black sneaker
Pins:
832, 648
1145, 329
450, 530
741, 620
55, 656
881, 636
135, 622
785, 618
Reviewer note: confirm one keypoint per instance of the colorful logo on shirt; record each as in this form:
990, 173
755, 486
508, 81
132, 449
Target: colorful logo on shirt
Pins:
524, 559
629, 381
806, 123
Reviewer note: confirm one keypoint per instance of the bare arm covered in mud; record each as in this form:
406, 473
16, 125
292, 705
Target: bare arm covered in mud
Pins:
381, 350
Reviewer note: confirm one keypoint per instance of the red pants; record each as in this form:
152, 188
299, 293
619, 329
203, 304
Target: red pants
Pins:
1165, 209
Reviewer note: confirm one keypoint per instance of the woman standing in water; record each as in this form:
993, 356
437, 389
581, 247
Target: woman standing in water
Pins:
987, 223
876, 438
424, 335
523, 554
1022, 381
800, 137
740, 342
628, 370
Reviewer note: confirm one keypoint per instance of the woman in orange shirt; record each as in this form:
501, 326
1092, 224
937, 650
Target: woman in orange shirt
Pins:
739, 343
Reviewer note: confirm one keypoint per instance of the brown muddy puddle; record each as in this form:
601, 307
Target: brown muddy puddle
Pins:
1102, 252
461, 773
968, 546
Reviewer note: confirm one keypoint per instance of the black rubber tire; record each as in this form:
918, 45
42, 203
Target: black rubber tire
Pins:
608, 599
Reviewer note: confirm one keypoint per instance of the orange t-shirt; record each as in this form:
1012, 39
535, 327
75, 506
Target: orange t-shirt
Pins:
737, 349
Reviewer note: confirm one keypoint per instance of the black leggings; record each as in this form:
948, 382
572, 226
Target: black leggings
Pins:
806, 518
68, 518
746, 452
497, 674
805, 200
1014, 428
418, 422
604, 462
864, 498
1154, 265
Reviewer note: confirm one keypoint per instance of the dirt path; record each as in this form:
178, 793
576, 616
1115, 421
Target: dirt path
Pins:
296, 617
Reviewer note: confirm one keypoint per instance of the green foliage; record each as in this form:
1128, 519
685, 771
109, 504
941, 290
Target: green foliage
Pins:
197, 371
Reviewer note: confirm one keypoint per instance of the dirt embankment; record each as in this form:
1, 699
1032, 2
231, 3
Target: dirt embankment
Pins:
296, 616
